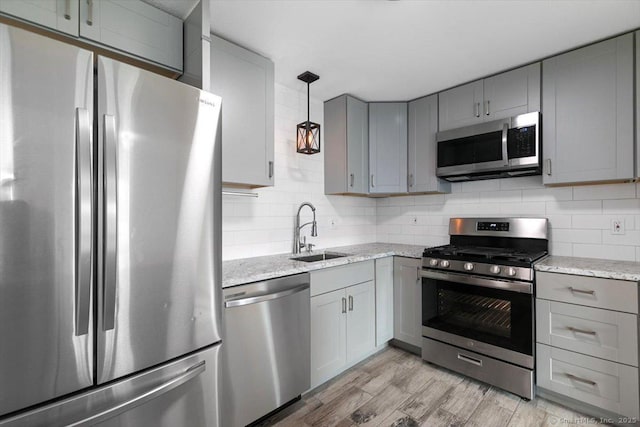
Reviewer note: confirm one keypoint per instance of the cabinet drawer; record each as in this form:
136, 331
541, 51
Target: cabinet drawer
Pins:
330, 279
607, 385
611, 294
601, 333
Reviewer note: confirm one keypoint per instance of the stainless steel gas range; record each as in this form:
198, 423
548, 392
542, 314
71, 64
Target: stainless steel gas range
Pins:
478, 300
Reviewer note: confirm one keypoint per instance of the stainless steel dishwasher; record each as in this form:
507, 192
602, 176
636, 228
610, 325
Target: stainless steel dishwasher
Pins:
266, 347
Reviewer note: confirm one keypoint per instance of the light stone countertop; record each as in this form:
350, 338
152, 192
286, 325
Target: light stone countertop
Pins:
603, 268
247, 270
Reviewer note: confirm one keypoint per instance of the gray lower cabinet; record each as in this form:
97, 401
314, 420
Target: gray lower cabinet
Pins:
503, 95
384, 300
346, 146
637, 102
587, 102
422, 147
245, 81
587, 343
343, 318
407, 301
387, 147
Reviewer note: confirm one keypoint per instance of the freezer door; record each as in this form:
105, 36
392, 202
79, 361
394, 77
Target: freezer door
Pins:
159, 290
46, 104
182, 393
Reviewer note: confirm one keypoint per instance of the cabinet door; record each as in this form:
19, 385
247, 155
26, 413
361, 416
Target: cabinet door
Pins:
587, 102
328, 335
245, 82
357, 146
384, 300
134, 27
460, 106
60, 15
388, 147
422, 147
361, 320
407, 301
512, 93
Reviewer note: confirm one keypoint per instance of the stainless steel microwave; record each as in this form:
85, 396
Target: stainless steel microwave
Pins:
497, 149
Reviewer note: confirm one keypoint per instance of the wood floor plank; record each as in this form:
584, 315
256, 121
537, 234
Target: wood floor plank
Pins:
289, 418
353, 377
422, 404
398, 419
386, 374
442, 418
527, 415
416, 378
380, 407
465, 398
489, 413
502, 398
333, 412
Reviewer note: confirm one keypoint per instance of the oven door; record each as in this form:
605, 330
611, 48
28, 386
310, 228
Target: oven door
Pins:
489, 316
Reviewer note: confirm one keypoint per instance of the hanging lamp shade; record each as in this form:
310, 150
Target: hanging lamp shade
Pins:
308, 132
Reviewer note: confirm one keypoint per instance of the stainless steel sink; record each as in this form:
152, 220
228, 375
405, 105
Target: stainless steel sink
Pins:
319, 257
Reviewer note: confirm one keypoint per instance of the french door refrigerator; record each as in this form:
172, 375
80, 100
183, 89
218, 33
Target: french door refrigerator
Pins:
110, 241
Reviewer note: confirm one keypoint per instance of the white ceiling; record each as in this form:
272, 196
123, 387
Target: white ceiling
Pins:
398, 50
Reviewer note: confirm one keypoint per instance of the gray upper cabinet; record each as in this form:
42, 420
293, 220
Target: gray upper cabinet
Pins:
134, 27
422, 147
638, 101
59, 15
346, 146
587, 102
245, 81
387, 147
503, 95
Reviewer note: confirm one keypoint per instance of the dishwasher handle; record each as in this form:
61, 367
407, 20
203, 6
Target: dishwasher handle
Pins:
265, 297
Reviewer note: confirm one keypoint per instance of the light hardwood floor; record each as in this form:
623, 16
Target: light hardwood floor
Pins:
396, 388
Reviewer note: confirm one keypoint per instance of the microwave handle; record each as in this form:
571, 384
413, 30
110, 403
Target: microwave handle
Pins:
505, 154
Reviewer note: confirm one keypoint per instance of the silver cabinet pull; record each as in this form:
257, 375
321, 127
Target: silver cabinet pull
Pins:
164, 388
350, 303
410, 180
352, 177
344, 305
373, 182
84, 225
581, 331
486, 108
270, 169
110, 280
581, 291
67, 10
477, 109
581, 380
469, 359
90, 12
547, 166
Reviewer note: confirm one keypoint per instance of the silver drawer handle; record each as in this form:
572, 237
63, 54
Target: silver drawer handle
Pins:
344, 305
581, 291
581, 331
468, 359
581, 380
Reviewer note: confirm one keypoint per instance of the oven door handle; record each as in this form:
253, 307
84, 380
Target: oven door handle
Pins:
507, 285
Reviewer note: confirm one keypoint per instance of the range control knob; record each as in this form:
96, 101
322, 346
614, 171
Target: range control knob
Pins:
494, 269
433, 262
511, 271
468, 266
444, 263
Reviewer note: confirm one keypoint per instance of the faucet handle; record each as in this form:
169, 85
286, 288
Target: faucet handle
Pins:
310, 247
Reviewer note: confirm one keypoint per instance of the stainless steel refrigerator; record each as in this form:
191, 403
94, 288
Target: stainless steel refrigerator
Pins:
110, 241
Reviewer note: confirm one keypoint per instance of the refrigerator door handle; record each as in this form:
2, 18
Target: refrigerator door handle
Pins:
158, 391
111, 223
84, 226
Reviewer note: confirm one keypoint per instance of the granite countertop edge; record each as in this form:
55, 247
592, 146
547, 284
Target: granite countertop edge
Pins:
249, 270
591, 267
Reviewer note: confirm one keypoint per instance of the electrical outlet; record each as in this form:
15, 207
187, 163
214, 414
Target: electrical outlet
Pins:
617, 226
414, 220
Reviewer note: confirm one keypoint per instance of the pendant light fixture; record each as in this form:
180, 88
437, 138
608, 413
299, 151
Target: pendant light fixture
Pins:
308, 133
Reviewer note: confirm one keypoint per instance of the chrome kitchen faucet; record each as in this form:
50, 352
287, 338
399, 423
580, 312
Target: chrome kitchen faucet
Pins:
297, 246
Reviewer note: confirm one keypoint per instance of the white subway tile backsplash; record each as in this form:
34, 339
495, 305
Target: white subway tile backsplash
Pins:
629, 206
600, 192
622, 253
587, 207
547, 194
575, 235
